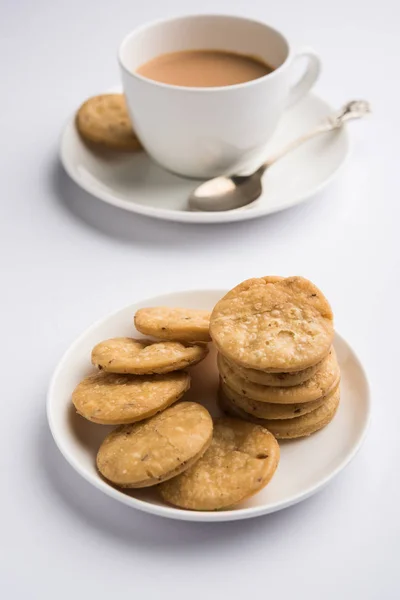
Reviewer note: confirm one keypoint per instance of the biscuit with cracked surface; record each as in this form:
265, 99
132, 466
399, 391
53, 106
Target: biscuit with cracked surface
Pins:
114, 399
144, 454
145, 357
240, 461
282, 325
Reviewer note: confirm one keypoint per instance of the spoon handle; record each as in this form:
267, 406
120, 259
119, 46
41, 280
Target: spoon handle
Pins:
352, 110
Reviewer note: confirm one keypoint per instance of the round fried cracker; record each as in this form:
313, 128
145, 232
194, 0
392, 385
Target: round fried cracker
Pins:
320, 384
240, 461
275, 379
285, 429
165, 323
144, 454
144, 357
113, 399
282, 325
104, 121
266, 410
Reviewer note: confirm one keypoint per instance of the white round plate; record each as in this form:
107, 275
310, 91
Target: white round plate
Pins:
306, 465
135, 183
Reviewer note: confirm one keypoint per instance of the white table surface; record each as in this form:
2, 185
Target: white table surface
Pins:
68, 259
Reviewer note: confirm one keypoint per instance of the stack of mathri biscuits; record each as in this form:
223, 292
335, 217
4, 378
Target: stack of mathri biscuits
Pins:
194, 462
276, 361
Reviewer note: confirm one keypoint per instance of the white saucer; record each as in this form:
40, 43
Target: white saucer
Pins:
133, 182
306, 465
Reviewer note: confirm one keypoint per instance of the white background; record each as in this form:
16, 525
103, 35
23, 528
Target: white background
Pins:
67, 259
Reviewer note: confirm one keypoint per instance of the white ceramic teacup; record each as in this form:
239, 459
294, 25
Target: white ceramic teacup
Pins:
204, 132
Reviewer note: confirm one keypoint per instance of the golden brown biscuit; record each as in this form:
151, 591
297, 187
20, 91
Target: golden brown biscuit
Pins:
165, 323
275, 379
104, 121
320, 384
284, 325
240, 461
144, 454
112, 399
144, 357
266, 410
284, 429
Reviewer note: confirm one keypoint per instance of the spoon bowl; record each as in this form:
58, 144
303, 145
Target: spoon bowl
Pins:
232, 193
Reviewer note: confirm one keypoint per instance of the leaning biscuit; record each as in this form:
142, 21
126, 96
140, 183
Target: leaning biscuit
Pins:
266, 410
320, 384
240, 461
282, 325
285, 429
104, 121
113, 399
183, 324
144, 357
144, 454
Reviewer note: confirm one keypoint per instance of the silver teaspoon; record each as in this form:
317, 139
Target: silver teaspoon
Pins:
236, 191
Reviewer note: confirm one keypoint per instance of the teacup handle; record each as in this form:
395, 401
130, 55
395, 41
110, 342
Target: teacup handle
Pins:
309, 76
